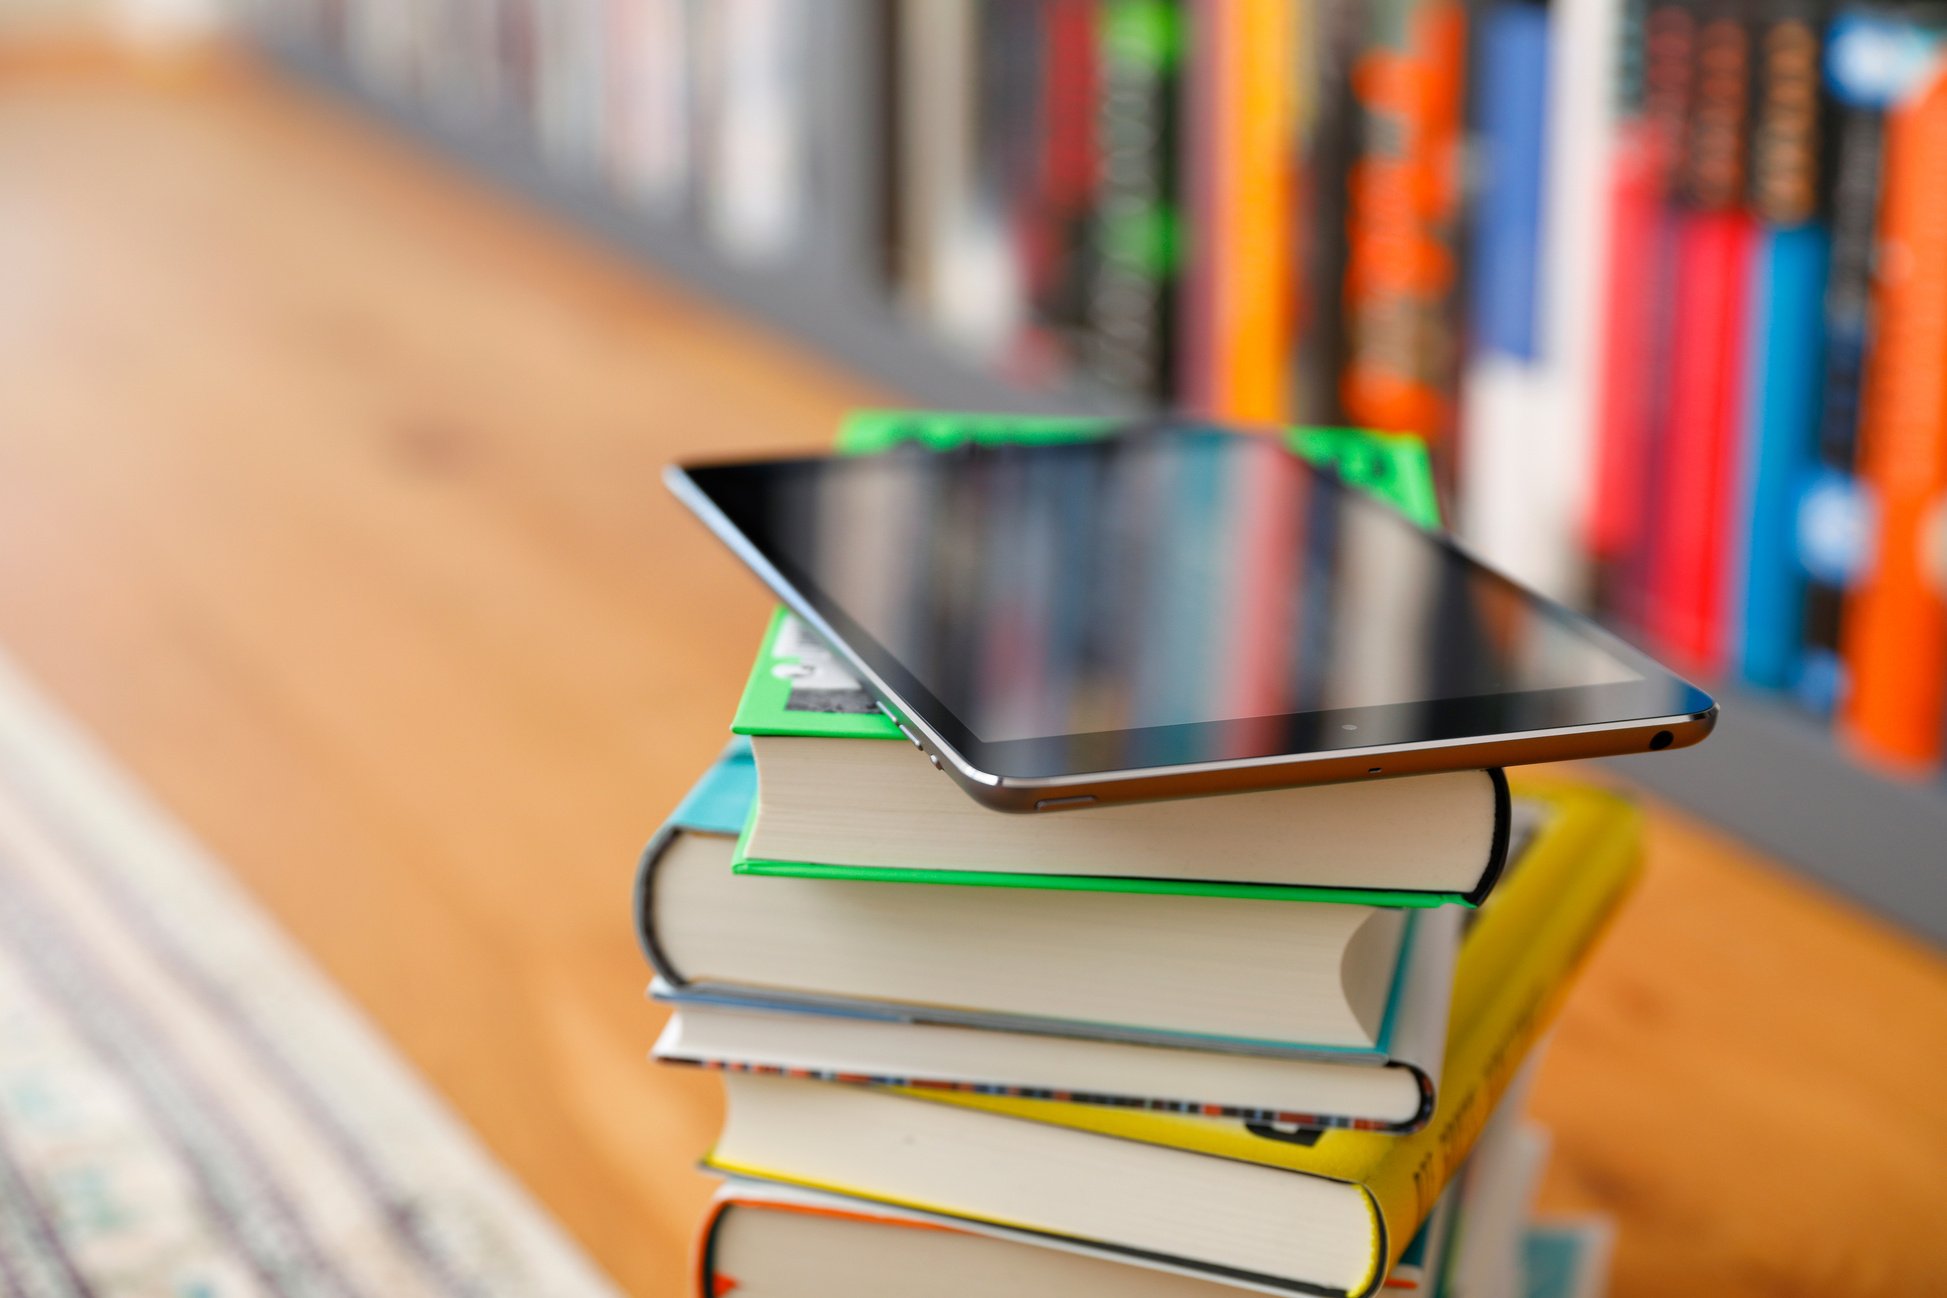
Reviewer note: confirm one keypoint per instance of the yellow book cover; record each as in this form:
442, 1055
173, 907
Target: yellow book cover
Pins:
1515, 966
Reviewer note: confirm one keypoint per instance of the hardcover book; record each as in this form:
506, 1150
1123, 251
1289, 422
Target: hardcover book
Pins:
766, 1238
888, 1037
1311, 1212
1786, 343
834, 809
1243, 975
1830, 516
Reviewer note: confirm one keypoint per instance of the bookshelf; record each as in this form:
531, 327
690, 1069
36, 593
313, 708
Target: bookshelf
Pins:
1771, 775
825, 296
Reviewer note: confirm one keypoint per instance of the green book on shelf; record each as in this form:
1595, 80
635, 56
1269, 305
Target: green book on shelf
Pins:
842, 794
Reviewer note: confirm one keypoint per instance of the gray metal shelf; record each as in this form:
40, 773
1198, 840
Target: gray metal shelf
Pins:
1769, 775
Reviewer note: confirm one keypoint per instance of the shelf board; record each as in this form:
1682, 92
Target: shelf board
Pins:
1779, 780
1768, 774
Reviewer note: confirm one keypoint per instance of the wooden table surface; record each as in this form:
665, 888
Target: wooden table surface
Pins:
328, 500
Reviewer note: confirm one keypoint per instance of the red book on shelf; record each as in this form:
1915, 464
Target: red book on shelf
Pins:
1894, 635
1691, 548
1629, 307
1057, 216
1687, 611
1647, 147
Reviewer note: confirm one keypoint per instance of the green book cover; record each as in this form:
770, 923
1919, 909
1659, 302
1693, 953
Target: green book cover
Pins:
799, 687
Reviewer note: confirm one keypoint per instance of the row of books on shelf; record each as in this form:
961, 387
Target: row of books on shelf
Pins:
1268, 1041
687, 112
1661, 281
1767, 493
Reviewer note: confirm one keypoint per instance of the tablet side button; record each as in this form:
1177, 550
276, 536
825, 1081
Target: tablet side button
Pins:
1062, 804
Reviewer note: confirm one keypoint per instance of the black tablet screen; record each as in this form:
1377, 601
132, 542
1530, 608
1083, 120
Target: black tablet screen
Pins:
1167, 596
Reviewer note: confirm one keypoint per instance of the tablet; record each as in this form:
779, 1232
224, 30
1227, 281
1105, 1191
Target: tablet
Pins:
1175, 611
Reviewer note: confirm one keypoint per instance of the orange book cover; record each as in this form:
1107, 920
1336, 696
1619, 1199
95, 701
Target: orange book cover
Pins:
1404, 196
1894, 637
1238, 346
1253, 297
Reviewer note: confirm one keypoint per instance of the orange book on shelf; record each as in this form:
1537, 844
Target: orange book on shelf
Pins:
1404, 193
1894, 637
1241, 169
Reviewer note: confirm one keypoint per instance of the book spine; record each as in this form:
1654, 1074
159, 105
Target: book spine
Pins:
1622, 415
1244, 203
501, 103
1401, 274
1503, 384
1830, 523
1786, 341
1578, 165
569, 90
378, 41
519, 43
1658, 63
1327, 144
1515, 970
1630, 193
933, 117
1058, 246
718, 803
1132, 302
888, 99
1202, 172
451, 49
1003, 220
1688, 613
1787, 338
705, 1280
1511, 40
648, 160
1895, 633
754, 188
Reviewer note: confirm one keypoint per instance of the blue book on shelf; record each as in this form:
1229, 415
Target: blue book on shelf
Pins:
1511, 108
1786, 357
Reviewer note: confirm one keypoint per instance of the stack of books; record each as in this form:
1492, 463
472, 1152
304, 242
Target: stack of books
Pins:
1263, 1041
1672, 330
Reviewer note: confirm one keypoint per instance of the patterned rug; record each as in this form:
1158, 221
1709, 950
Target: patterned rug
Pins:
187, 1107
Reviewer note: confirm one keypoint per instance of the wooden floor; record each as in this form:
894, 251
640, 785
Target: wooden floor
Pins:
328, 501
